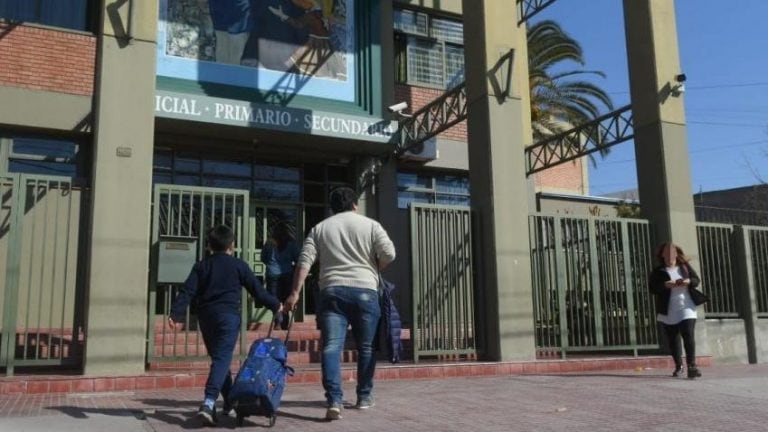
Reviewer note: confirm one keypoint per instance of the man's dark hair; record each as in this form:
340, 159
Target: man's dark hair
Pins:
220, 238
342, 199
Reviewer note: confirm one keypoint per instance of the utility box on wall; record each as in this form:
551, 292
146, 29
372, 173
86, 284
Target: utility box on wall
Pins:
175, 259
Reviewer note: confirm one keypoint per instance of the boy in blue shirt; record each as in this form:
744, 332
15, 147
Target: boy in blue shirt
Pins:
215, 283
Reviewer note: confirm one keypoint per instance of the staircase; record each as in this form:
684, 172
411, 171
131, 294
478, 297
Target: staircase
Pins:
304, 347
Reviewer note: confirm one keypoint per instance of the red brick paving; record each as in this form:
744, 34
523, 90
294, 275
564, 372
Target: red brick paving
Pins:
726, 398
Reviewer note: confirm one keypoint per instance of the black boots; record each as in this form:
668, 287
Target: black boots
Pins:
693, 372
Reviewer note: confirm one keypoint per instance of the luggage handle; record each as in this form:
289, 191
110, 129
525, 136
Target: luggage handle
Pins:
274, 324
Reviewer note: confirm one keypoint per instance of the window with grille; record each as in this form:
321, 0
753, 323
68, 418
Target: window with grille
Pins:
429, 50
432, 188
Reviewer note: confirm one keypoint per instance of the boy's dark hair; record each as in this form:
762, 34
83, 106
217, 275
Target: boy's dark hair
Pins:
220, 238
342, 199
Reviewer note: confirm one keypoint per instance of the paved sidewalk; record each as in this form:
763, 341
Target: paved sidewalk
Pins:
727, 398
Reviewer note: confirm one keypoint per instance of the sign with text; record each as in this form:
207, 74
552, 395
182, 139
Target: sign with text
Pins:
242, 113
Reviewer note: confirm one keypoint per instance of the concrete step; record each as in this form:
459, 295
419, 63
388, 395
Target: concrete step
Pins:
310, 374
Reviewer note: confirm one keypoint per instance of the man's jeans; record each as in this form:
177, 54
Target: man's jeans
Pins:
220, 335
339, 307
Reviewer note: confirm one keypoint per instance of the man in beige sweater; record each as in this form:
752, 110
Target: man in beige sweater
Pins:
351, 249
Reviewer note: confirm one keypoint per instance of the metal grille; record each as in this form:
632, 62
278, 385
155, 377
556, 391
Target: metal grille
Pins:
443, 281
448, 30
590, 284
39, 258
425, 62
188, 212
717, 276
758, 244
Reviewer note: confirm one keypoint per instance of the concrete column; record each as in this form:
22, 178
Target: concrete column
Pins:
498, 131
661, 148
122, 177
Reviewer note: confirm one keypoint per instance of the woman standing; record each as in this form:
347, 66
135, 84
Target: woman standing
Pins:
674, 283
280, 255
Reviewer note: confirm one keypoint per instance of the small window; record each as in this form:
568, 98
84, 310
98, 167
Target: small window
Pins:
46, 156
429, 50
71, 14
432, 188
412, 22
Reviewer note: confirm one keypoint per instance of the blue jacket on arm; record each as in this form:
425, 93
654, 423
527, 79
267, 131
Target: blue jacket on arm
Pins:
215, 284
390, 323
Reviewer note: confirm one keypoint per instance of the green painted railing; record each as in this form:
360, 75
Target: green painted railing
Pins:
590, 284
186, 213
40, 263
442, 281
758, 250
716, 257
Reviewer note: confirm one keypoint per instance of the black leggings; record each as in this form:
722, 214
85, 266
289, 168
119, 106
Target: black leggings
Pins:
684, 328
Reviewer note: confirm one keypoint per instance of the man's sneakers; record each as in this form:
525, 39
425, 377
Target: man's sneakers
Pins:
365, 402
207, 415
334, 411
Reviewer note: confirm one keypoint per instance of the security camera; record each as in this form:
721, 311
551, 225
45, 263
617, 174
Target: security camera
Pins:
398, 107
680, 78
679, 87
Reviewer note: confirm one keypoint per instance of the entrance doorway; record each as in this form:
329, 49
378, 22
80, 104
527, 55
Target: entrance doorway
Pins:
264, 217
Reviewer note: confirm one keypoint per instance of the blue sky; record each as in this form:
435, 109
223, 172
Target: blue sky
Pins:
724, 53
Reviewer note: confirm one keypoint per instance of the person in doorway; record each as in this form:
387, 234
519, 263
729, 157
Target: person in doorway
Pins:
352, 249
215, 284
279, 255
673, 282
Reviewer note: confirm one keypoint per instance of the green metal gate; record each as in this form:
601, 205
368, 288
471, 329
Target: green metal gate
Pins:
42, 286
590, 284
181, 215
442, 281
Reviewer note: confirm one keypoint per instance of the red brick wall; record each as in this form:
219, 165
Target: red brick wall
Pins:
45, 59
417, 97
565, 178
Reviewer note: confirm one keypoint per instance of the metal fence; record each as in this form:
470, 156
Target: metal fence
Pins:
184, 213
442, 281
590, 284
40, 263
758, 244
716, 255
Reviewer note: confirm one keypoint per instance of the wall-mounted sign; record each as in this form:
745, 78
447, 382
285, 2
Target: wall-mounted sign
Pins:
241, 113
300, 47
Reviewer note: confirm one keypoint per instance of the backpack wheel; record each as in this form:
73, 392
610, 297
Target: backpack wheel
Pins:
272, 420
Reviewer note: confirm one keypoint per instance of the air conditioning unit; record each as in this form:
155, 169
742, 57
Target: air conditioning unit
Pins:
424, 152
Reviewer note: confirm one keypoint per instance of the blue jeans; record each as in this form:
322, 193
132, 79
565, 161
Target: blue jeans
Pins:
220, 333
340, 306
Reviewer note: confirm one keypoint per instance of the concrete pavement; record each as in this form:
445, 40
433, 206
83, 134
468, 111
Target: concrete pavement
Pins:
727, 398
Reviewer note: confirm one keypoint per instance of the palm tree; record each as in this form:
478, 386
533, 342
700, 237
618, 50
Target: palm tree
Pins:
560, 99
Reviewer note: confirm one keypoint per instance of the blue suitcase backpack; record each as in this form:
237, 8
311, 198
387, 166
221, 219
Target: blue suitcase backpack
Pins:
258, 387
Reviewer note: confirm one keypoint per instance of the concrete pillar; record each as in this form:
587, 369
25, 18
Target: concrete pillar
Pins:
498, 131
661, 148
122, 177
